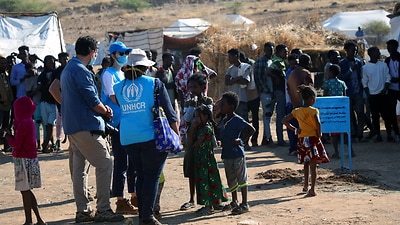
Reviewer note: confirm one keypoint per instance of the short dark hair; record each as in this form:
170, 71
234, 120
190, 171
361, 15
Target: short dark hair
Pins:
304, 59
62, 54
234, 51
269, 45
280, 48
205, 110
166, 55
307, 91
195, 51
334, 69
331, 52
199, 78
372, 49
293, 57
84, 45
23, 48
297, 51
231, 98
350, 43
393, 42
154, 52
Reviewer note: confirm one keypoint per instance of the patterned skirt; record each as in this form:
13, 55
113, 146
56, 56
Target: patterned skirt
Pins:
27, 174
309, 148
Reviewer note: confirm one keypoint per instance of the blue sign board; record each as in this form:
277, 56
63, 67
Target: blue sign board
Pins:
334, 113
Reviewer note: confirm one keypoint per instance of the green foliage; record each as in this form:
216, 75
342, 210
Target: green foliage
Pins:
133, 4
235, 6
377, 28
35, 6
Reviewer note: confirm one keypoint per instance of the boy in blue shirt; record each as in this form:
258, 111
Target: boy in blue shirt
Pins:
235, 132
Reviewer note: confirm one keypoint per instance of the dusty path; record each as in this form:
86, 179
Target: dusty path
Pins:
370, 196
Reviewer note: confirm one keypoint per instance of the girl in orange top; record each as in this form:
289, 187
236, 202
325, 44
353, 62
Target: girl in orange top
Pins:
310, 149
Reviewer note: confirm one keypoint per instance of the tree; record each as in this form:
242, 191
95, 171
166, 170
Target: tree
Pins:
377, 28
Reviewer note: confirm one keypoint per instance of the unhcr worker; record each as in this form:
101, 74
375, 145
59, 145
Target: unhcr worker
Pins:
124, 169
82, 113
138, 90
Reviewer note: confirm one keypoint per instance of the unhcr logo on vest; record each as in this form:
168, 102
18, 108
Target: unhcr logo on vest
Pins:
131, 95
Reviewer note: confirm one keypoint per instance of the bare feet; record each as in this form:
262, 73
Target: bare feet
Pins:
310, 193
305, 189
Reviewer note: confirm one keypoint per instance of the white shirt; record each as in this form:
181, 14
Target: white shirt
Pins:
374, 76
243, 70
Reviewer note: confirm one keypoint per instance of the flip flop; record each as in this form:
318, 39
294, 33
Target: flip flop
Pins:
187, 206
203, 212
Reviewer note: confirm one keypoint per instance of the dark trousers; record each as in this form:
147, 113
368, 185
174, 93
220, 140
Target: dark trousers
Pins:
379, 108
124, 168
291, 135
5, 123
149, 164
392, 98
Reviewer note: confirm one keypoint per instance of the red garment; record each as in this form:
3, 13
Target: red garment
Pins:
24, 139
187, 70
311, 148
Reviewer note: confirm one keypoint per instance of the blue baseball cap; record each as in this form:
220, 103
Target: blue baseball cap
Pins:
119, 47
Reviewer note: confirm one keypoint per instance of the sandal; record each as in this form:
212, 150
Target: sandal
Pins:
187, 206
203, 212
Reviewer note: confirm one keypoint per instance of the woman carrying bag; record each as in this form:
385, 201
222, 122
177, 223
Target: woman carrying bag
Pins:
135, 95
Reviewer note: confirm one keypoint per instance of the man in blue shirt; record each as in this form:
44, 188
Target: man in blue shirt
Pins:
350, 67
18, 72
82, 118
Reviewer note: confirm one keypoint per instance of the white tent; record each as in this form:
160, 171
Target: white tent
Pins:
41, 33
348, 22
395, 28
186, 28
238, 21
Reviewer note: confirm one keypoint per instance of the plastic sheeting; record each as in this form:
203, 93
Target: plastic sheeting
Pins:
42, 34
348, 22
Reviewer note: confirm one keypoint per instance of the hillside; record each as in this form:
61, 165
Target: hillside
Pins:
95, 17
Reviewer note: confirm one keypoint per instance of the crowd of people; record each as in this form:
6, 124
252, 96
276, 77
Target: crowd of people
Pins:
116, 104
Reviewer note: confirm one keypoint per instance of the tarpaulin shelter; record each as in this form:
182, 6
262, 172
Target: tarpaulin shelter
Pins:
42, 33
143, 39
183, 35
186, 28
348, 22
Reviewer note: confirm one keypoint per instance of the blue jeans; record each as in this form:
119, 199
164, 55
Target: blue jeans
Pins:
243, 110
149, 164
268, 109
123, 168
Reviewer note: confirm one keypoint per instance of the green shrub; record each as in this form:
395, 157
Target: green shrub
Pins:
377, 28
24, 6
235, 6
133, 4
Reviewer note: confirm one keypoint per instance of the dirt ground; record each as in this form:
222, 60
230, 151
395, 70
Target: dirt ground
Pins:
370, 195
